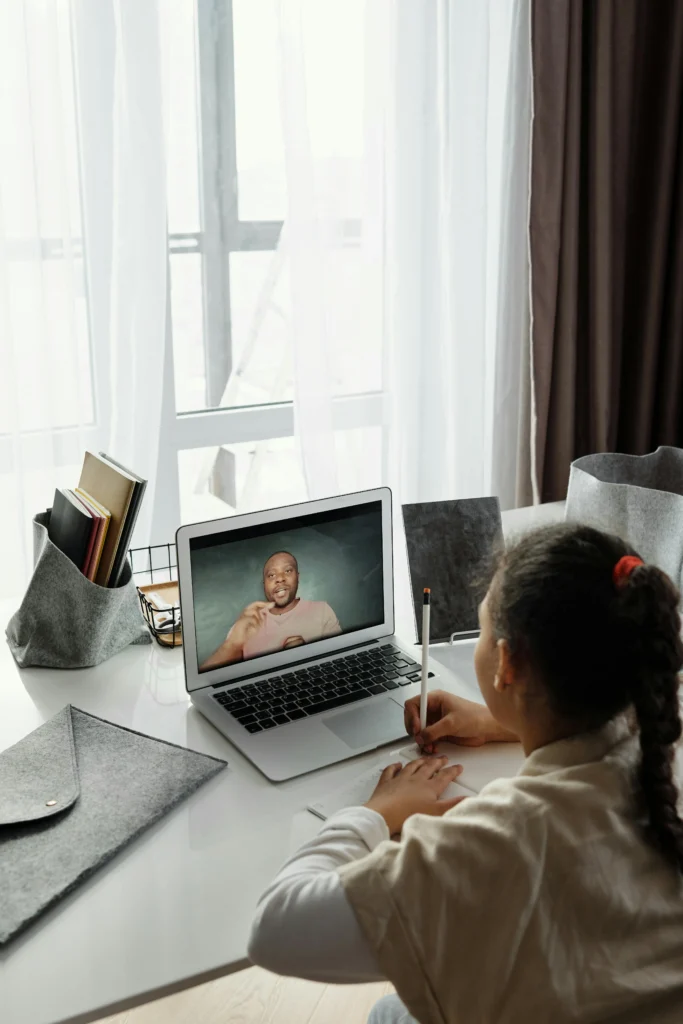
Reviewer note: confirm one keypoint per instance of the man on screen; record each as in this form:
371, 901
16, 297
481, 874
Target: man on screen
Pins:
282, 621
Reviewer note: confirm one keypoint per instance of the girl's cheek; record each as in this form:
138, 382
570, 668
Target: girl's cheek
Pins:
485, 665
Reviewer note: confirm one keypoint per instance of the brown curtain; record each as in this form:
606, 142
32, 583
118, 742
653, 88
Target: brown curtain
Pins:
606, 230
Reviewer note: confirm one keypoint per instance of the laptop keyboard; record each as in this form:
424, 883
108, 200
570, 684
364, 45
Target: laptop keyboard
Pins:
311, 691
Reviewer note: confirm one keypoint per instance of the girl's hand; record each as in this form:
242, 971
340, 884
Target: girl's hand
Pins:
415, 788
454, 719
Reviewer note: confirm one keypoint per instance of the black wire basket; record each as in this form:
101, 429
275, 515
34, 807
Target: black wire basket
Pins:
155, 572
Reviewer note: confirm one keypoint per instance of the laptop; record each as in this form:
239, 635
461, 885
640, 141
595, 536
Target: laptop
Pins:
288, 631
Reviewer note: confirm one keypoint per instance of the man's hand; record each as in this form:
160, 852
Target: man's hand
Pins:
249, 622
232, 648
454, 719
293, 641
415, 788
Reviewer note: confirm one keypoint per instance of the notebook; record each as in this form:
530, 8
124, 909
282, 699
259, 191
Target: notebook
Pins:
103, 516
114, 489
139, 486
481, 765
71, 526
93, 530
451, 548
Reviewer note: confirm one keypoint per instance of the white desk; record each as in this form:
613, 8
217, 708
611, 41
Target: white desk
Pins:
175, 908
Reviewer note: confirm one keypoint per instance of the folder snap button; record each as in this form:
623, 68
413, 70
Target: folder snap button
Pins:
50, 803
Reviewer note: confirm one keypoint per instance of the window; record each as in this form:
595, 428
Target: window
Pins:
227, 433
230, 296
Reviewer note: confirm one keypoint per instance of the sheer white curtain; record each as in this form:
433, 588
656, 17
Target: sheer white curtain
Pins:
403, 257
333, 96
441, 188
82, 251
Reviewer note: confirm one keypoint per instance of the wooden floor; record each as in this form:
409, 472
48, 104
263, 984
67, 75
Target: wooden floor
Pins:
257, 997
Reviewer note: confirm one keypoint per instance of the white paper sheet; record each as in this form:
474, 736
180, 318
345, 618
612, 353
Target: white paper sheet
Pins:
481, 765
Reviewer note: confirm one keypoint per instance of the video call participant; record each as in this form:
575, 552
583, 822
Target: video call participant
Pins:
282, 621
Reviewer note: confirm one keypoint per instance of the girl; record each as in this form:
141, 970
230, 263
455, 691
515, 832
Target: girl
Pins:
552, 896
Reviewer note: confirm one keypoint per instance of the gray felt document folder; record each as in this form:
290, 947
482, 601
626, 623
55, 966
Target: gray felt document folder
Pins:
72, 794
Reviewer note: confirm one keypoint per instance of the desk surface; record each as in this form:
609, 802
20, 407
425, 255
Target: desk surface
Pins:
175, 908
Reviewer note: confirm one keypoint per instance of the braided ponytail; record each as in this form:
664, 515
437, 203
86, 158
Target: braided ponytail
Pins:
650, 602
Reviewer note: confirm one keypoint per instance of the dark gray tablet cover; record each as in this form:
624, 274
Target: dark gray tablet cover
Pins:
73, 793
451, 549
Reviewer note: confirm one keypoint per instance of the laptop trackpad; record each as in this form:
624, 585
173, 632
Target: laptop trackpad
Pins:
368, 725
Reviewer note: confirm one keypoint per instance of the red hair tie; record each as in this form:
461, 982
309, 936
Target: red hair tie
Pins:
623, 569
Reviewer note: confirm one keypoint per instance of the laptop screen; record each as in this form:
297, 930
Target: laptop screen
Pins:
274, 587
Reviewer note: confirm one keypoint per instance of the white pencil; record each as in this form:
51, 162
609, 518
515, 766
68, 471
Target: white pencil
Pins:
425, 658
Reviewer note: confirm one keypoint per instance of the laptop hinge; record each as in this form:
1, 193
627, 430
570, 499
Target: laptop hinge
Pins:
298, 664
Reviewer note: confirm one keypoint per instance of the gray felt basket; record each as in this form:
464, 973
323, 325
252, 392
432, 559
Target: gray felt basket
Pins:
65, 620
638, 497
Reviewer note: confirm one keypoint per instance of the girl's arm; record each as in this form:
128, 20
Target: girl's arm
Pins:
304, 925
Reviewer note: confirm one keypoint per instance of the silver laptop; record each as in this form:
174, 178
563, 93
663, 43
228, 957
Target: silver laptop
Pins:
288, 631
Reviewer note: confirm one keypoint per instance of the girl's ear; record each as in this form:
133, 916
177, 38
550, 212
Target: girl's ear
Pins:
505, 673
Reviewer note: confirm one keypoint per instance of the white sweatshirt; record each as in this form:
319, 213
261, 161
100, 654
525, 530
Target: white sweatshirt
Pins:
540, 899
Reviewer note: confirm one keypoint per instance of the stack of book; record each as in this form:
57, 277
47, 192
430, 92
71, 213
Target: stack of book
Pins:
93, 523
